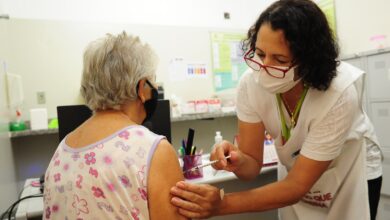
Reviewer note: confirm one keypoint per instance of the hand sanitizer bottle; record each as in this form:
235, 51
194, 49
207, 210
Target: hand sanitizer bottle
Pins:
218, 139
18, 124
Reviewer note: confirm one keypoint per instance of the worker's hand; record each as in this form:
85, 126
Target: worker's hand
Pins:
196, 200
222, 150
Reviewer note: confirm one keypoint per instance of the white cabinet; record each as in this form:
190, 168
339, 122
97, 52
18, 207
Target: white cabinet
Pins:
380, 115
379, 77
361, 63
386, 174
377, 103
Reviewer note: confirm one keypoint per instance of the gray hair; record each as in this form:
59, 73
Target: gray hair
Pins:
113, 66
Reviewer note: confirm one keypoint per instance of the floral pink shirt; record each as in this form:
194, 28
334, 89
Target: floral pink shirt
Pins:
105, 180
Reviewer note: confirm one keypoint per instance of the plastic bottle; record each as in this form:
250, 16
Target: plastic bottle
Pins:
218, 139
18, 125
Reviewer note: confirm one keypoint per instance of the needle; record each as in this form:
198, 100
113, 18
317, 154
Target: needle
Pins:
204, 165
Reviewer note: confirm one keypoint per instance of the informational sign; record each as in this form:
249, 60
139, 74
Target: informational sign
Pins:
181, 70
228, 62
327, 6
196, 70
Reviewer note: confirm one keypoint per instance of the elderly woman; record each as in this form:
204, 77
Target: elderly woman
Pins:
111, 167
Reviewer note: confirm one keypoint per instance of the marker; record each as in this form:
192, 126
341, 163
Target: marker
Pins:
182, 152
193, 150
190, 140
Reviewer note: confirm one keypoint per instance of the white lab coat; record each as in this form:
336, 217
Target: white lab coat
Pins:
341, 192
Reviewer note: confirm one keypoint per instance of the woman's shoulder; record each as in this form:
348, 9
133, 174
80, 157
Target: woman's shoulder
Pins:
141, 131
248, 76
347, 75
141, 136
81, 141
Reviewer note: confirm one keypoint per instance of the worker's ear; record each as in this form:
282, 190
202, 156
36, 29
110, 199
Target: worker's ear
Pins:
141, 90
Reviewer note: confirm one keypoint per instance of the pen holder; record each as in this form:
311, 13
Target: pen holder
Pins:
191, 161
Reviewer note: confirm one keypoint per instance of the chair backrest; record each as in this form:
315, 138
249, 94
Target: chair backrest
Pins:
71, 116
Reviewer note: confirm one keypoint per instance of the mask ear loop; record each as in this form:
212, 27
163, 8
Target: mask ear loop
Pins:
257, 76
136, 90
150, 84
296, 66
147, 82
137, 87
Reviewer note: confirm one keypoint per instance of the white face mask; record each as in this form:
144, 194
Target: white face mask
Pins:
277, 85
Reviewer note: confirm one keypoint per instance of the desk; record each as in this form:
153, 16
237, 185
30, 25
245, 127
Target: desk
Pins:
33, 208
30, 208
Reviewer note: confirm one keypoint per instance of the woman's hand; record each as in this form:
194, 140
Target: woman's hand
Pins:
220, 151
196, 200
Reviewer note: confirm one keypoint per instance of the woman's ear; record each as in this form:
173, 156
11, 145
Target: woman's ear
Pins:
141, 91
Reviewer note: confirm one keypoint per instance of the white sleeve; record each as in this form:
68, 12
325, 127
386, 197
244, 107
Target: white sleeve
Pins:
245, 110
325, 140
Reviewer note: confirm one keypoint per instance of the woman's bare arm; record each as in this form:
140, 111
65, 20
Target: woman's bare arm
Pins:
164, 173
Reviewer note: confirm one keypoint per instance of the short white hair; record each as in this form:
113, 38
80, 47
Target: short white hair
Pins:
113, 66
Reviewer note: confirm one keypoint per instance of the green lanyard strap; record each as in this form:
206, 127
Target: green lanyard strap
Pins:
286, 131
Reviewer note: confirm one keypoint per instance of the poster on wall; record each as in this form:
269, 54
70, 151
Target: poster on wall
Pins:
327, 6
228, 63
181, 70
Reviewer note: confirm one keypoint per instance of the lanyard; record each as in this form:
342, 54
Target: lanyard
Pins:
286, 131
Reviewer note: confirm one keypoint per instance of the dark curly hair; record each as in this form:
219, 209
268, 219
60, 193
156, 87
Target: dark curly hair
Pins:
310, 39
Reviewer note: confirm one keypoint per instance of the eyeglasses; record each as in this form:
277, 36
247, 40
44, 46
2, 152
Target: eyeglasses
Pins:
255, 63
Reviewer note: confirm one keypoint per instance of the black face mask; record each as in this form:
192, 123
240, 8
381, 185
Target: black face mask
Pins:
151, 104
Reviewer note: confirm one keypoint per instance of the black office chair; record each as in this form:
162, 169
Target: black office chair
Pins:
71, 116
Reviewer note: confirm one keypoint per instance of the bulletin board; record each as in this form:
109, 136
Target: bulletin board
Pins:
328, 8
227, 59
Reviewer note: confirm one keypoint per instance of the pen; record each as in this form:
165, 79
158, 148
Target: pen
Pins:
204, 165
183, 143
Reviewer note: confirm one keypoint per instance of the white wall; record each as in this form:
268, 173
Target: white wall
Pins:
8, 186
203, 13
358, 21
48, 55
51, 49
